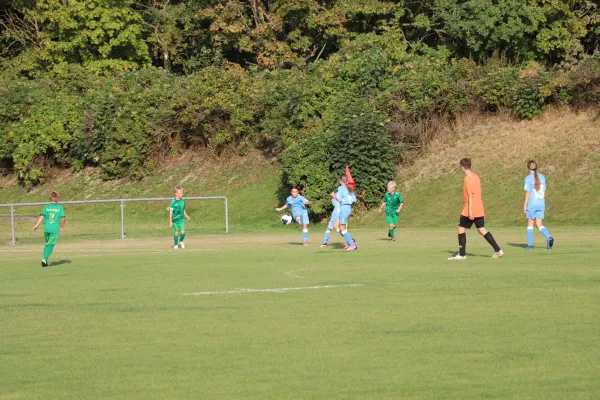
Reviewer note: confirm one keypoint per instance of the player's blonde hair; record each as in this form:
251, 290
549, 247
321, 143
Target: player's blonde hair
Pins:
178, 188
391, 184
532, 165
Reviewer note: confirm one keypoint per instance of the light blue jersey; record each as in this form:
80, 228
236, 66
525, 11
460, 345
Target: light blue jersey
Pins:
296, 204
537, 200
346, 199
335, 214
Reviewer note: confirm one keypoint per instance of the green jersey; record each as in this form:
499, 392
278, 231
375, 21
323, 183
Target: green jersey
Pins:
177, 207
52, 214
392, 202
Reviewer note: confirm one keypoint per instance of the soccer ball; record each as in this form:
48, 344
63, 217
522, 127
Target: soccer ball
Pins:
286, 219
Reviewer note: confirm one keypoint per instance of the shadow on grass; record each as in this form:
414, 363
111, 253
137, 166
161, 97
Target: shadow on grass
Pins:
454, 252
59, 262
521, 245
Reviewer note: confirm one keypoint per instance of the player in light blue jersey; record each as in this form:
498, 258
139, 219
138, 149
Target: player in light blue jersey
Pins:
346, 198
298, 205
535, 204
334, 222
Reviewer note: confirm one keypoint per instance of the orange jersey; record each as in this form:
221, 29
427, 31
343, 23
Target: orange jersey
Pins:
472, 185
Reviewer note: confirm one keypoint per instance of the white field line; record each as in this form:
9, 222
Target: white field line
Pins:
292, 273
274, 290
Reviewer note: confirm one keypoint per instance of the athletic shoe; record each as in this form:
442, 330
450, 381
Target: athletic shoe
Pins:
529, 247
550, 243
498, 254
324, 245
182, 245
350, 248
44, 263
346, 246
393, 239
457, 257
305, 244
175, 247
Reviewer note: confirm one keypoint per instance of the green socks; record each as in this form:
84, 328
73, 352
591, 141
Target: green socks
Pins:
181, 237
392, 233
48, 251
175, 240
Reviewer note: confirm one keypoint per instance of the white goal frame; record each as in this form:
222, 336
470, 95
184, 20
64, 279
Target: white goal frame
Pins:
122, 202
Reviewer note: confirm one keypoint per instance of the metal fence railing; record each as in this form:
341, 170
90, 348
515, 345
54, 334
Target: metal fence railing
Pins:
122, 205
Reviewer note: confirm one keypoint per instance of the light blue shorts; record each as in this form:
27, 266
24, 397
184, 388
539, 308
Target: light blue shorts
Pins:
345, 211
334, 217
302, 219
533, 214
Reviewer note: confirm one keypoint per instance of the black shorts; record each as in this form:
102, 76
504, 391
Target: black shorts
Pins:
465, 222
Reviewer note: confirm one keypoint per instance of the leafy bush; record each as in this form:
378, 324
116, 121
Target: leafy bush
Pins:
532, 95
307, 165
361, 141
216, 109
581, 84
499, 87
292, 104
357, 138
44, 134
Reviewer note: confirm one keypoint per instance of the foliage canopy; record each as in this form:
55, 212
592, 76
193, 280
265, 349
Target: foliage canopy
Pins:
121, 85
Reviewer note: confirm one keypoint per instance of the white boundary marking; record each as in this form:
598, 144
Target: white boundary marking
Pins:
274, 290
292, 273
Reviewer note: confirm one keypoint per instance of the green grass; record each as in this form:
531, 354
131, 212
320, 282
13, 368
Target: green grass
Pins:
250, 183
108, 319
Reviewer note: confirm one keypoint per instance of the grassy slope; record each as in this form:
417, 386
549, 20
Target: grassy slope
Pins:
566, 145
250, 184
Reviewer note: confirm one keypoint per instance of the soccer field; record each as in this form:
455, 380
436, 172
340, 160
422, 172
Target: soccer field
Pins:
260, 316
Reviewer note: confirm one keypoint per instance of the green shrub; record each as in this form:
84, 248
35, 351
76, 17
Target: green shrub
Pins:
582, 82
307, 165
45, 134
499, 87
216, 109
531, 97
292, 104
357, 138
361, 141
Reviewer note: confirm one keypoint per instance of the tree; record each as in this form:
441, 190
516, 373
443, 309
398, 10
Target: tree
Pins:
98, 34
174, 32
284, 33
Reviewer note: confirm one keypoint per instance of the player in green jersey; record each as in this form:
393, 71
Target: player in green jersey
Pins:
53, 216
393, 202
177, 217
